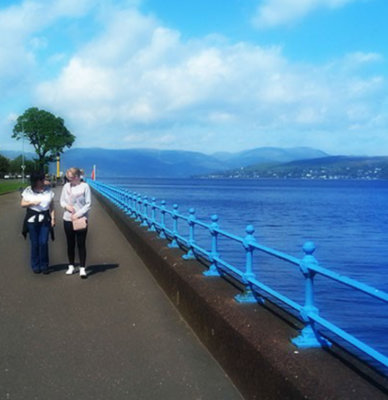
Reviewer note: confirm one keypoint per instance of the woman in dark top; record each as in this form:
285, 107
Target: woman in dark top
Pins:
39, 220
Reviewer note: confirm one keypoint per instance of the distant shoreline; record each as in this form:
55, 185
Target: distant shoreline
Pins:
288, 178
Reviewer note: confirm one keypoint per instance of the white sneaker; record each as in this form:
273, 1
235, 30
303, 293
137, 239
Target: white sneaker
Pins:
82, 272
70, 270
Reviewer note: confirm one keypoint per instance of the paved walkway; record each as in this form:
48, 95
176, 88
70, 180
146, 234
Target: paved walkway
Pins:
112, 336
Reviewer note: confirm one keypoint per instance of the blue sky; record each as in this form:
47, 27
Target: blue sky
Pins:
200, 75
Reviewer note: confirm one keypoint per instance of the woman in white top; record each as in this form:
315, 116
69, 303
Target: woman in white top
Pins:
39, 220
76, 200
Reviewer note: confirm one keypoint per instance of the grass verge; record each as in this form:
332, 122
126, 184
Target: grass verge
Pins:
11, 186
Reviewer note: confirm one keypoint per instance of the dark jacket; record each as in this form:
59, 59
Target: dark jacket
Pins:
46, 220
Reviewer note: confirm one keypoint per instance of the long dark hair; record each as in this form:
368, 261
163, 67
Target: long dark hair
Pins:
35, 177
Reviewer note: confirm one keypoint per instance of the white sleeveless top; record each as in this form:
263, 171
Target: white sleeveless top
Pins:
45, 198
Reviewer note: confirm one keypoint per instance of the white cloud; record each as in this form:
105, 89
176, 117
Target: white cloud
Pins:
220, 117
69, 8
139, 84
11, 118
38, 43
20, 31
146, 139
271, 13
359, 58
139, 76
56, 58
134, 139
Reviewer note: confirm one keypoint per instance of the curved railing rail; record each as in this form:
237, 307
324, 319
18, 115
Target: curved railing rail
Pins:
149, 214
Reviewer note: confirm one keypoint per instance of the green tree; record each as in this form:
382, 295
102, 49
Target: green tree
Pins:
15, 165
4, 165
46, 132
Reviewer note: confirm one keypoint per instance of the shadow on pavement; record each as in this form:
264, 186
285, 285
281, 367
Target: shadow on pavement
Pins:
57, 268
91, 269
95, 269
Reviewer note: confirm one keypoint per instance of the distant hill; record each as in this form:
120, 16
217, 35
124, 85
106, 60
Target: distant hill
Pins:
174, 163
12, 154
332, 167
268, 155
140, 163
263, 162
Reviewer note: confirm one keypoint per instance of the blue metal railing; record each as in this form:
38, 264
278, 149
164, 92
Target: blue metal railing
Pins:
146, 212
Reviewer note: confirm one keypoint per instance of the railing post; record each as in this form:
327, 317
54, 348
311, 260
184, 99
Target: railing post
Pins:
113, 197
174, 244
190, 254
145, 212
127, 202
153, 208
119, 198
213, 270
116, 197
248, 296
123, 200
132, 205
162, 233
309, 337
138, 212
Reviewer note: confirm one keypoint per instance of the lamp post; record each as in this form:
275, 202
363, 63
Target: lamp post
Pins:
23, 165
58, 168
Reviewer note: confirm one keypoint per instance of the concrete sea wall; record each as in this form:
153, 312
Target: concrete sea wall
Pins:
251, 342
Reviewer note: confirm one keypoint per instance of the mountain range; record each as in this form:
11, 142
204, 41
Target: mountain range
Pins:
142, 163
263, 162
329, 167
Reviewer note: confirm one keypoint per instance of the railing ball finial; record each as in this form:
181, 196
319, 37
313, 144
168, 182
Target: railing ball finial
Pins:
214, 218
175, 207
309, 247
250, 229
192, 211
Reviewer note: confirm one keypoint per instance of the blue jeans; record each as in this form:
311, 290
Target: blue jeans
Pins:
39, 234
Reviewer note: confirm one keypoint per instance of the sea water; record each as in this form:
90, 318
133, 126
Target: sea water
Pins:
347, 220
